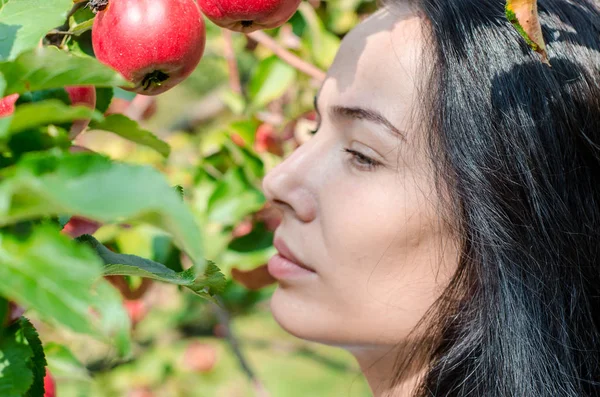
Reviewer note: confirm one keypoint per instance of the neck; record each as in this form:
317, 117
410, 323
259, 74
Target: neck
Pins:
378, 365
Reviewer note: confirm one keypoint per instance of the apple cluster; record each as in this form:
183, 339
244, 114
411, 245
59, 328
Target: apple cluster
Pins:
156, 44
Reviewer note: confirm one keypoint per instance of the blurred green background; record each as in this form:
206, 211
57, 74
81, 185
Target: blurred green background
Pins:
223, 143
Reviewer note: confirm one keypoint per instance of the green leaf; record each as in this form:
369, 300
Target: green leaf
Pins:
51, 111
38, 361
213, 281
61, 280
323, 45
234, 198
63, 363
104, 96
93, 186
16, 376
271, 80
179, 190
130, 130
23, 23
49, 67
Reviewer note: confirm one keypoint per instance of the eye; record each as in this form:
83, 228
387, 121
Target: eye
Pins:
361, 161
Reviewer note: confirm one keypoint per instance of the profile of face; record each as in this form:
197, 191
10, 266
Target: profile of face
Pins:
367, 221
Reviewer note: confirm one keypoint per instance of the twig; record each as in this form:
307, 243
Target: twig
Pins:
138, 106
291, 59
234, 75
225, 320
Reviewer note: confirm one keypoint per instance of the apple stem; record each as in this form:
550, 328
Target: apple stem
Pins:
154, 78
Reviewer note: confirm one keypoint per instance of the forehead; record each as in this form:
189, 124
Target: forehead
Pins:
378, 65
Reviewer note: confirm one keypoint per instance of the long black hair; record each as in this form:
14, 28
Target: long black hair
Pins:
517, 145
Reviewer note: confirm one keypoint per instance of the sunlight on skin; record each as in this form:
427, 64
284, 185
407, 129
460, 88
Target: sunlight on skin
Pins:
374, 235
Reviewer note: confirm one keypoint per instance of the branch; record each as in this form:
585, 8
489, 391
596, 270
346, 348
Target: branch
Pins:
286, 56
234, 75
225, 320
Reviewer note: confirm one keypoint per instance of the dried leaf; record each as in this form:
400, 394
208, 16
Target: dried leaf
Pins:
254, 279
523, 14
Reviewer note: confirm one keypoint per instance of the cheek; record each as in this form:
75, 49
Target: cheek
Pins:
384, 242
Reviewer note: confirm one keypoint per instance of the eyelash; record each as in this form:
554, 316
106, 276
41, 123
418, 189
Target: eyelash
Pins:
358, 159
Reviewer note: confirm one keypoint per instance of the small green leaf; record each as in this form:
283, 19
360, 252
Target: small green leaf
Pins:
16, 376
179, 190
130, 130
104, 96
51, 111
49, 67
234, 198
63, 363
130, 265
270, 80
23, 23
323, 45
38, 361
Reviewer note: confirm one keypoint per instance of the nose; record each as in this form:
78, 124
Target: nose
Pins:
289, 186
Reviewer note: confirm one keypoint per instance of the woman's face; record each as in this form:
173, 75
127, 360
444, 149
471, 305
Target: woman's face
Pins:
373, 234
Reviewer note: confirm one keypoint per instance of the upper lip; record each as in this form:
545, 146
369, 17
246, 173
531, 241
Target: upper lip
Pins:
284, 251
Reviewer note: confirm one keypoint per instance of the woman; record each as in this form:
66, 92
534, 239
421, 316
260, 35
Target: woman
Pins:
449, 204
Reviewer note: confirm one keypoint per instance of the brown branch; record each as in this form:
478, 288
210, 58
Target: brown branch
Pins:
225, 320
138, 106
286, 56
229, 53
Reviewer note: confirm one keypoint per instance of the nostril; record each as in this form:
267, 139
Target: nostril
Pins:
281, 205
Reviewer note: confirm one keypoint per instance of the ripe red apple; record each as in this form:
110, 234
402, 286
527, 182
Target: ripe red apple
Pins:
49, 385
249, 15
84, 95
78, 225
156, 44
7, 105
266, 140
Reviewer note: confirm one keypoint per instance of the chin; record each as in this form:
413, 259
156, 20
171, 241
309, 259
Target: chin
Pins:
302, 321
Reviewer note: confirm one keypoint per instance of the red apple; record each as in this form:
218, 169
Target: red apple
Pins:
7, 105
156, 44
243, 228
136, 309
78, 225
249, 15
200, 357
84, 95
266, 140
49, 385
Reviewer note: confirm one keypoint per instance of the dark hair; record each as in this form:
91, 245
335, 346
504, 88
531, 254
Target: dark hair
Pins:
518, 145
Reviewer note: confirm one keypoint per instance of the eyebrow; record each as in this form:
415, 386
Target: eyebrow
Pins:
359, 113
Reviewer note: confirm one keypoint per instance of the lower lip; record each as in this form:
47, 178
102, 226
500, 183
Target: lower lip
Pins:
284, 269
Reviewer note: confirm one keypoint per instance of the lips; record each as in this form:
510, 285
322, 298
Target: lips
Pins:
284, 251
